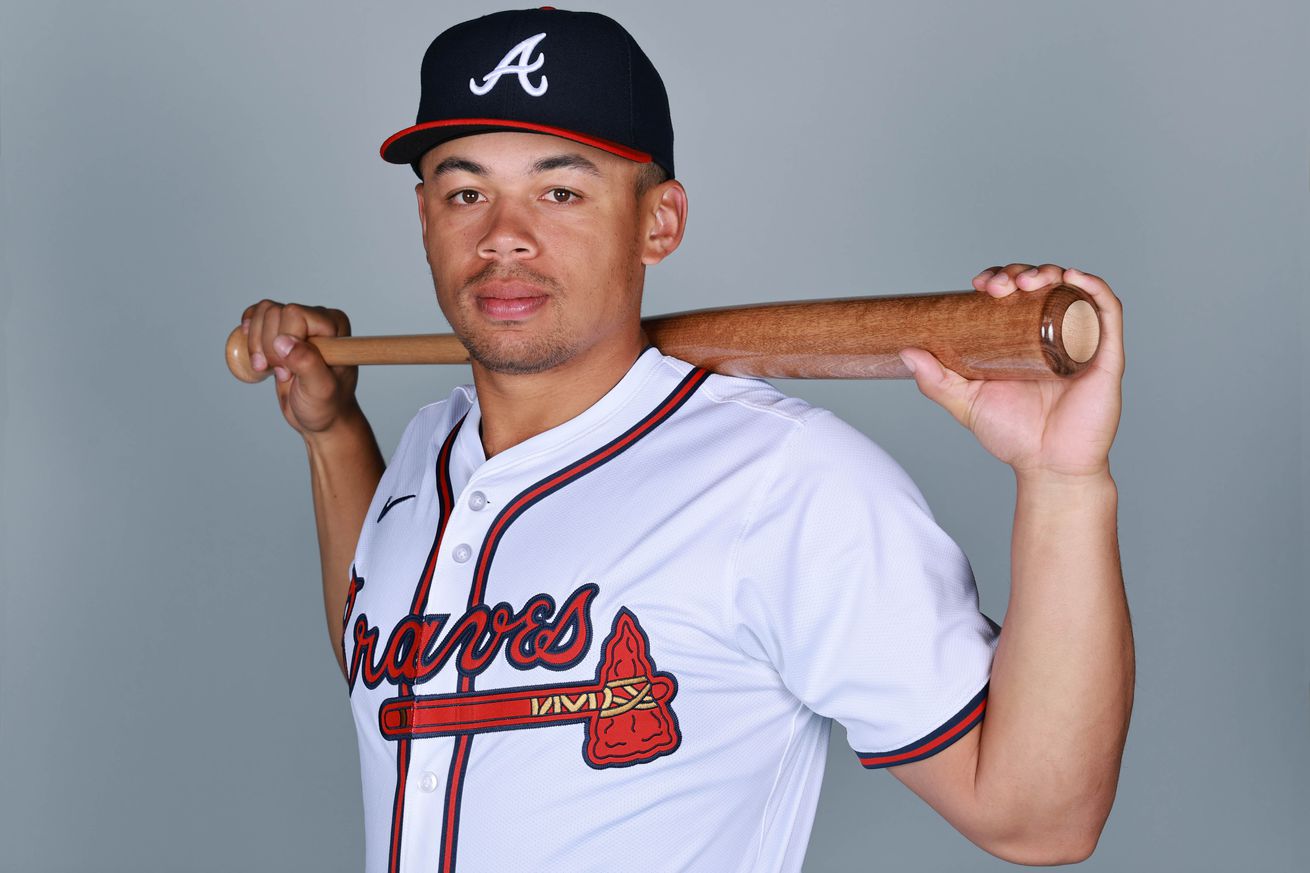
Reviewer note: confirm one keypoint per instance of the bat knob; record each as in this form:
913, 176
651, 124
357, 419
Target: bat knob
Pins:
1080, 331
1070, 329
238, 358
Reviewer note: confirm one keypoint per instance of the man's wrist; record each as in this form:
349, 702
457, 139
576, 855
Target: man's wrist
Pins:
1069, 486
346, 432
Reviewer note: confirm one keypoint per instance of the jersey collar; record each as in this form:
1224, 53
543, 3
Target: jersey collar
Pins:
575, 436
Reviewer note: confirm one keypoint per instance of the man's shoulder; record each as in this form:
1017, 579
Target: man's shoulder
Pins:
746, 397
762, 404
805, 445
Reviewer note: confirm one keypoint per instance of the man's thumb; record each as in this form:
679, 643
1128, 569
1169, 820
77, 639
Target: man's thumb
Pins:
307, 365
944, 387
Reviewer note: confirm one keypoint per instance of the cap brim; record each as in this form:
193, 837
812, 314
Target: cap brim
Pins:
410, 144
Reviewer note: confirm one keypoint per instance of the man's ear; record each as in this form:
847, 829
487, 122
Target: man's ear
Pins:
664, 218
422, 213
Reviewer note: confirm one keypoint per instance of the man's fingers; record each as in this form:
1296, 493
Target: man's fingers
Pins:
306, 365
1034, 278
266, 320
305, 321
987, 273
327, 322
270, 327
1000, 284
282, 346
258, 314
312, 395
1000, 281
980, 281
298, 323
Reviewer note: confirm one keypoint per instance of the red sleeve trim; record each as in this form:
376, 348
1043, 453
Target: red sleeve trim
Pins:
954, 728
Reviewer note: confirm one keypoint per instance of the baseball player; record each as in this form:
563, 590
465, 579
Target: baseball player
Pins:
602, 599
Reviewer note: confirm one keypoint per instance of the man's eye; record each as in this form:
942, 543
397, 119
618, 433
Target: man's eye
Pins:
562, 195
467, 196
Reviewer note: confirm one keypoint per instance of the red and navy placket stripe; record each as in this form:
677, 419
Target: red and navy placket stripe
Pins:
957, 726
515, 508
445, 500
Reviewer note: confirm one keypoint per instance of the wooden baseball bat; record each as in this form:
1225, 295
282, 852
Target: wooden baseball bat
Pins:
1049, 333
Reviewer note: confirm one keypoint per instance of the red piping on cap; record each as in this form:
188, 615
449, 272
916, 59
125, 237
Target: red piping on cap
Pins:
596, 142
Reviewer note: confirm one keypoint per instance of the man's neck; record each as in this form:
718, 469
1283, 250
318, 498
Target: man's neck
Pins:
517, 407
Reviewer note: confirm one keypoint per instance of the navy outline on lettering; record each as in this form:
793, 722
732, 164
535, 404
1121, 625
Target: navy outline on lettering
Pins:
475, 637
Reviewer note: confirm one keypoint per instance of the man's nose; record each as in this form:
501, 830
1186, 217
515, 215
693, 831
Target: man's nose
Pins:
509, 233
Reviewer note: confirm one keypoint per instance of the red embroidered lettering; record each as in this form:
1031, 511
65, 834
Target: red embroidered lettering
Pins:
535, 636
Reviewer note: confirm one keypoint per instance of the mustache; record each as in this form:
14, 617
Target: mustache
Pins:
495, 272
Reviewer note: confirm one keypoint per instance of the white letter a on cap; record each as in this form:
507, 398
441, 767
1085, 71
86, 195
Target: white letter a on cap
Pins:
520, 69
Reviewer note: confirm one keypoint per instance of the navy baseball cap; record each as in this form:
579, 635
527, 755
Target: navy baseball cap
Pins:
577, 75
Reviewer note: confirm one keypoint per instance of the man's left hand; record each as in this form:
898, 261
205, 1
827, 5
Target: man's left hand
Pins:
1060, 427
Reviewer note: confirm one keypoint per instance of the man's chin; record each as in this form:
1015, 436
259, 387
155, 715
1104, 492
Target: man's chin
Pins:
517, 359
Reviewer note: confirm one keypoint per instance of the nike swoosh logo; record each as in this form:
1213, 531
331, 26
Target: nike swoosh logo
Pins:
392, 501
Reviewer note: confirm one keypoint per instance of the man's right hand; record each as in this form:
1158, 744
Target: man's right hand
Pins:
313, 396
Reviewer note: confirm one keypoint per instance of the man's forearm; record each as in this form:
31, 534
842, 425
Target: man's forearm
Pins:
345, 466
1062, 679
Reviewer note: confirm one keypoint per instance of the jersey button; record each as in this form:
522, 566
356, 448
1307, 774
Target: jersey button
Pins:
462, 553
477, 500
428, 783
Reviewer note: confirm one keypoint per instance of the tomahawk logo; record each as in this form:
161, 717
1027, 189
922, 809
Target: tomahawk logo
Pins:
625, 709
520, 53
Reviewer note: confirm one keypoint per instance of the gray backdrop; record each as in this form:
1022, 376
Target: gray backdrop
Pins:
168, 701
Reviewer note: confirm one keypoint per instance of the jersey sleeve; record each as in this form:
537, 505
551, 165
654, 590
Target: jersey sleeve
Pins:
866, 608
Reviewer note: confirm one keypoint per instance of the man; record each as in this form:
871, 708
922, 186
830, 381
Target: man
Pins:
603, 599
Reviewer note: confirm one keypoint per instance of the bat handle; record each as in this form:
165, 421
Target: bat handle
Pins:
350, 351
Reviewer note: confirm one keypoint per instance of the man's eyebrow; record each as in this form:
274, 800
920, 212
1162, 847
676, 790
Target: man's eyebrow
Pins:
570, 160
454, 165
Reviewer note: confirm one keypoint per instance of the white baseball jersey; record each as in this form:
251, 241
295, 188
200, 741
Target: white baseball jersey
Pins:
631, 632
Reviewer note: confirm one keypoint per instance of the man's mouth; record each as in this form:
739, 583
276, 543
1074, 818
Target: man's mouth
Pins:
509, 300
510, 308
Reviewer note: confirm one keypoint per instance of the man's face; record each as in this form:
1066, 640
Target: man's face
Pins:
535, 245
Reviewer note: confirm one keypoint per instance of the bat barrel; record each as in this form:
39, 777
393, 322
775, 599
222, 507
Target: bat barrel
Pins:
1049, 333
